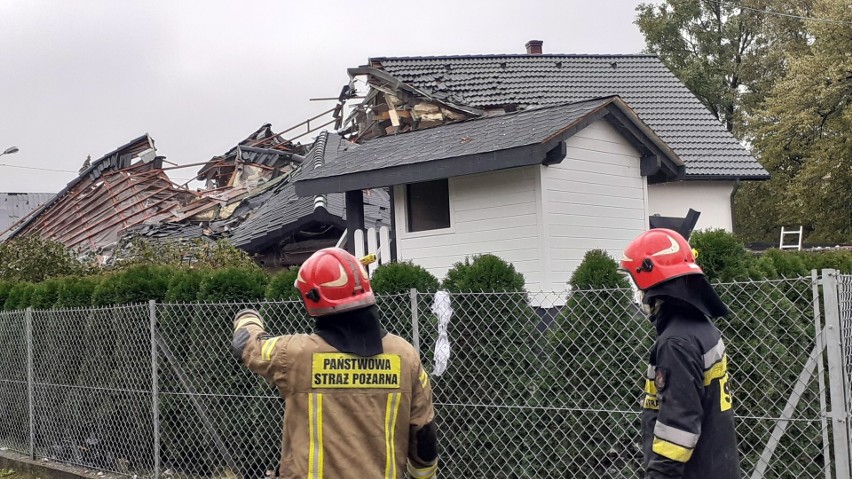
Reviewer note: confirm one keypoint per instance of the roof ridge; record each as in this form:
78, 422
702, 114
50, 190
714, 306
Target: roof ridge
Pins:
517, 55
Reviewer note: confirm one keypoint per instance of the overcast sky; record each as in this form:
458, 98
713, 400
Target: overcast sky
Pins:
82, 77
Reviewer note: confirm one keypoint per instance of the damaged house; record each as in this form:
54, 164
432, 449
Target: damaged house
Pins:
411, 93
536, 158
247, 198
124, 188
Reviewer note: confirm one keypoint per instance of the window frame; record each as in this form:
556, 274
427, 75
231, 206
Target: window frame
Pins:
407, 212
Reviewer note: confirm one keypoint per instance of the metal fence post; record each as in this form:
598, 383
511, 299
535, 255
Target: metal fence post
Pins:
415, 323
818, 340
837, 389
155, 393
28, 318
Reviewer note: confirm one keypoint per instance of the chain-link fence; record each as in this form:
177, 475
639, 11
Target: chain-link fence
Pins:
14, 393
546, 388
844, 301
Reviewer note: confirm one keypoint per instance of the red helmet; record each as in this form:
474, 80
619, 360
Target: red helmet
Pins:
658, 255
332, 281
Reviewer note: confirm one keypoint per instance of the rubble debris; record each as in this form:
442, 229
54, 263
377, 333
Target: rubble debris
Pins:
391, 107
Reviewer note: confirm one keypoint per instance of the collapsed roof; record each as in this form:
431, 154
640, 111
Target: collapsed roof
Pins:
248, 198
124, 188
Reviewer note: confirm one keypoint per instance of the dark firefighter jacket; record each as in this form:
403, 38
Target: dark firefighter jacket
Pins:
347, 416
688, 418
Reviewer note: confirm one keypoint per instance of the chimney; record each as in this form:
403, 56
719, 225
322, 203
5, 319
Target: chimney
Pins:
534, 47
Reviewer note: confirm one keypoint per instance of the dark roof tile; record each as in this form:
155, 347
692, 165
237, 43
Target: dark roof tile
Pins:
651, 89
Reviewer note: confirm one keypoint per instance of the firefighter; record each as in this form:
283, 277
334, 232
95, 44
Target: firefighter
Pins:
687, 412
358, 401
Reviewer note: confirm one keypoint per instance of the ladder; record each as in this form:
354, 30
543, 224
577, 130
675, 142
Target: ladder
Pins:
785, 231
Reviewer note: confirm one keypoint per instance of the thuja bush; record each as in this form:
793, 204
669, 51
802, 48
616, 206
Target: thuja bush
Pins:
721, 255
5, 289
283, 312
76, 291
401, 277
135, 284
771, 324
282, 286
392, 283
19, 296
45, 294
597, 270
494, 362
597, 355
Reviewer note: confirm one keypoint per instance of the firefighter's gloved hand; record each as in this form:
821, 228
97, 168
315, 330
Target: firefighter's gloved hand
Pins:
246, 317
427, 472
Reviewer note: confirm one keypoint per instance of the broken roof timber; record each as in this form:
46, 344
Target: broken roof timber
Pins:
397, 84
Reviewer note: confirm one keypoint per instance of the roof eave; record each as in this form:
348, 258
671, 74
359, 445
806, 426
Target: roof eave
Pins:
700, 177
425, 171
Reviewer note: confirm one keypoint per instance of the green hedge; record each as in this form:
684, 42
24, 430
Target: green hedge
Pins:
282, 286
724, 258
401, 277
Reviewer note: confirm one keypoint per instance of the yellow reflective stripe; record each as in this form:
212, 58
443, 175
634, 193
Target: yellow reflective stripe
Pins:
650, 388
423, 472
716, 371
391, 413
249, 320
268, 348
424, 379
315, 453
671, 450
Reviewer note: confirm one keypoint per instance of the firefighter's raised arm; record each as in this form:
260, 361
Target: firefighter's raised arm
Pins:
256, 349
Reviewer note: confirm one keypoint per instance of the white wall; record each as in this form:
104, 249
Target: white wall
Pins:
489, 213
711, 198
596, 198
543, 219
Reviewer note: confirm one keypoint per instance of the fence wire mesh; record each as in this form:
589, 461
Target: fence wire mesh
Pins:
92, 394
844, 300
14, 396
536, 386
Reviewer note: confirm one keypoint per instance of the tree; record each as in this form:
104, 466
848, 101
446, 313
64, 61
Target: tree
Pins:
727, 53
33, 258
802, 134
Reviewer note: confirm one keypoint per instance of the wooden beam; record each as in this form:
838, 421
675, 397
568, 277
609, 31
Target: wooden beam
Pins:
394, 116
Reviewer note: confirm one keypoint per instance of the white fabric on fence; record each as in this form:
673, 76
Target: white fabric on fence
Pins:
444, 311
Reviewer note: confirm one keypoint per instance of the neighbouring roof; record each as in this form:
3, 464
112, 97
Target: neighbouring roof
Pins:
77, 215
483, 144
15, 206
283, 211
662, 101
